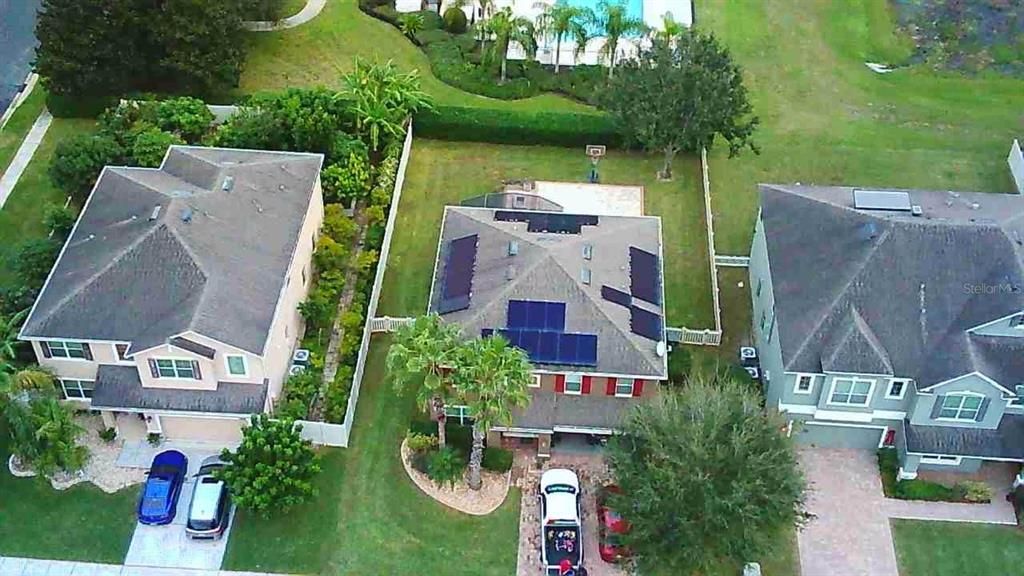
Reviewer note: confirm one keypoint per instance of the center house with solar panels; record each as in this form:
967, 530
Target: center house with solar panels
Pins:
582, 295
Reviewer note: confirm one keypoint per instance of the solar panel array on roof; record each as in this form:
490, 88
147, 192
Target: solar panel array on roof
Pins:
547, 347
881, 200
547, 221
617, 296
643, 276
646, 324
536, 315
457, 282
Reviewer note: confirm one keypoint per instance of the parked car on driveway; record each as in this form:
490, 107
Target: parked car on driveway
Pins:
210, 508
159, 498
610, 527
561, 534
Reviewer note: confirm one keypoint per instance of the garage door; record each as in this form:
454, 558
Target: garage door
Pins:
830, 436
202, 429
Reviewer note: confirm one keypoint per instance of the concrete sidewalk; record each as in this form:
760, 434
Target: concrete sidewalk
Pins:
311, 10
34, 567
24, 155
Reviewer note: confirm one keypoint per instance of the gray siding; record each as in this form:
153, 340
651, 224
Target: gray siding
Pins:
922, 411
763, 302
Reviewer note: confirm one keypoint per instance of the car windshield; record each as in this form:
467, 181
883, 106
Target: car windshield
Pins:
155, 497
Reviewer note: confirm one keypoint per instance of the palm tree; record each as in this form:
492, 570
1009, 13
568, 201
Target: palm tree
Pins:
581, 35
507, 29
492, 379
14, 380
670, 29
9, 329
558, 20
56, 435
383, 99
427, 349
616, 22
410, 23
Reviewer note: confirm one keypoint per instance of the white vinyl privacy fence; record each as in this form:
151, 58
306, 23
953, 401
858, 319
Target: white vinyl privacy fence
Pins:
1016, 161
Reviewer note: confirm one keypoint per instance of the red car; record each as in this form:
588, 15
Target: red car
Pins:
610, 528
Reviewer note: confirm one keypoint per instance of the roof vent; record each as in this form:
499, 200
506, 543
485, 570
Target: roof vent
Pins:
155, 213
588, 251
229, 181
513, 247
186, 215
280, 187
586, 276
510, 273
916, 210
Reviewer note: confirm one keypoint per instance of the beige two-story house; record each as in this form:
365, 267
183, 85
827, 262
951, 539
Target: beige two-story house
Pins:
173, 303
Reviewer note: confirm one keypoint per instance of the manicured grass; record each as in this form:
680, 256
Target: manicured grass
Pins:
319, 52
442, 173
21, 217
81, 523
18, 126
827, 119
369, 518
954, 549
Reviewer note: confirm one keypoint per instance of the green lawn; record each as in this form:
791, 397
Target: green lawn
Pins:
21, 217
18, 126
954, 549
827, 119
81, 523
319, 52
442, 173
370, 519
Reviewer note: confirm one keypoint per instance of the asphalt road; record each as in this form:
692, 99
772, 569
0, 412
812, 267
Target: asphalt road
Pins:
17, 45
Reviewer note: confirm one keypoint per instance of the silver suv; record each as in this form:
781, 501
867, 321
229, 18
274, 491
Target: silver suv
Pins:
210, 509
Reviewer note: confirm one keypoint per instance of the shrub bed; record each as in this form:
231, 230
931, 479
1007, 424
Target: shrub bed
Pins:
965, 492
518, 127
460, 438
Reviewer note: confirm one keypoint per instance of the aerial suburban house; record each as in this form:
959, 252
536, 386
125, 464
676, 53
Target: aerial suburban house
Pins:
172, 306
582, 295
894, 317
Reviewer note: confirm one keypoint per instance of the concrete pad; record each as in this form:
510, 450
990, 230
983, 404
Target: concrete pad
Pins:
12, 566
89, 569
34, 567
60, 568
595, 199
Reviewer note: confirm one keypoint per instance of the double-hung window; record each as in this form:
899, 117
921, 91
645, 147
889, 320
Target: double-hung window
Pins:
62, 349
173, 368
804, 384
76, 389
573, 383
236, 365
624, 387
960, 407
851, 391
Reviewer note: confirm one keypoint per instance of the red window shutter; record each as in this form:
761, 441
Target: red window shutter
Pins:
609, 388
638, 387
586, 384
560, 383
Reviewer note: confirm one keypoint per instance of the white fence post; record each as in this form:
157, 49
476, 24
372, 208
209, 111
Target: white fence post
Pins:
706, 177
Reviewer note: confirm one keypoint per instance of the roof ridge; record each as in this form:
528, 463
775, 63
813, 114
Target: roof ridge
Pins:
869, 334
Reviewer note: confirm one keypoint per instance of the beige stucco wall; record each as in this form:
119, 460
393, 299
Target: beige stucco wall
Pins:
288, 324
207, 369
205, 429
102, 353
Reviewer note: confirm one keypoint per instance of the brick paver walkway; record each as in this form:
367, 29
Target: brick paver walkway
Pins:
34, 567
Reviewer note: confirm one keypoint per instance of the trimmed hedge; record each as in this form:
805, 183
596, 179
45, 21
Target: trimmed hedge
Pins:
517, 127
497, 459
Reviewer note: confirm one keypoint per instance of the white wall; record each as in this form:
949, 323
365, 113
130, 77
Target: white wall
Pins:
1016, 161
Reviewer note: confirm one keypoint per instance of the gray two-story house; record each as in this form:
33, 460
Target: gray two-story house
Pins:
893, 317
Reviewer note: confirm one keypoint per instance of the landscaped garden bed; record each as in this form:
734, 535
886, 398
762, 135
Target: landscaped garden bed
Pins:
967, 491
455, 492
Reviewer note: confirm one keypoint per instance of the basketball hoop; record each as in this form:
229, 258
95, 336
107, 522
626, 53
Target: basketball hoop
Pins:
595, 152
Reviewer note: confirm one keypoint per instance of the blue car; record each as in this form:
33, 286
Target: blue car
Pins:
159, 499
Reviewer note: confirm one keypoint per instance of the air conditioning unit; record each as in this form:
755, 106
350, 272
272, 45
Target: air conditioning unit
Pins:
754, 372
301, 356
296, 369
748, 355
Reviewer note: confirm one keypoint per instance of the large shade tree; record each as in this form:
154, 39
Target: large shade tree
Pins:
614, 20
506, 29
681, 97
492, 378
706, 475
424, 353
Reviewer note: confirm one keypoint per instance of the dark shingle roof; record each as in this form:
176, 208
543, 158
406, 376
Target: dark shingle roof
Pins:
120, 387
1006, 441
548, 267
124, 275
548, 409
908, 279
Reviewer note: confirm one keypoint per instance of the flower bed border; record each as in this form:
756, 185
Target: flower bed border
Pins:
430, 489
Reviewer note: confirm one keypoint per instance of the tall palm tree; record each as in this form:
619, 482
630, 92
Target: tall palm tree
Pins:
670, 29
508, 28
615, 21
558, 20
581, 35
492, 379
427, 349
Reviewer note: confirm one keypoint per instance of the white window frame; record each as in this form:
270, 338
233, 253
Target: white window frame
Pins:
174, 362
903, 391
245, 365
941, 460
575, 379
796, 385
622, 382
962, 396
534, 381
62, 345
855, 381
66, 384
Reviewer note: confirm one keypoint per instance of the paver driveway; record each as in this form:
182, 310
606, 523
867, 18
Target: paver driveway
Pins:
849, 534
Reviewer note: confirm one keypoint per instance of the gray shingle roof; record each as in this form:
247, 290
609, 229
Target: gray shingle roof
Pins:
908, 279
548, 267
548, 409
120, 387
126, 276
1006, 441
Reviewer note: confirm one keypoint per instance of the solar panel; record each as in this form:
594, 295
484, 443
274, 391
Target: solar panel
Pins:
643, 275
457, 282
547, 351
555, 222
617, 296
546, 347
536, 315
644, 323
